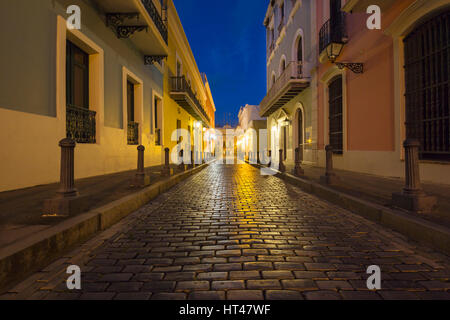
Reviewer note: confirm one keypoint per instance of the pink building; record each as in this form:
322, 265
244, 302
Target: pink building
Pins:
402, 90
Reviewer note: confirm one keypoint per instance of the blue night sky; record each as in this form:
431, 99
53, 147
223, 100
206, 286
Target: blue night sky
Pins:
229, 44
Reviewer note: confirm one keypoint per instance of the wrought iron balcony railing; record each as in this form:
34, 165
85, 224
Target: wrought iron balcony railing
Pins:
158, 137
133, 133
80, 124
156, 17
294, 71
334, 30
180, 84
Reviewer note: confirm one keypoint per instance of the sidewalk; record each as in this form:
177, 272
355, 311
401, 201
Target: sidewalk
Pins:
20, 210
379, 190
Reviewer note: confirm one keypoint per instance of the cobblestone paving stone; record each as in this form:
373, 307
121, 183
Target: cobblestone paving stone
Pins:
231, 233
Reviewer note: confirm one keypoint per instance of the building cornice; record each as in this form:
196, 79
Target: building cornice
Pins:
177, 34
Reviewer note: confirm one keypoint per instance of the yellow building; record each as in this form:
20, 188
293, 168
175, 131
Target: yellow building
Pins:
187, 102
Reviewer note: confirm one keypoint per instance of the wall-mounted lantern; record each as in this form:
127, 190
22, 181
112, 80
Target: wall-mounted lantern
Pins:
334, 50
286, 122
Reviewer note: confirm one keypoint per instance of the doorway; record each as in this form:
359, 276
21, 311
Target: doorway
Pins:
300, 133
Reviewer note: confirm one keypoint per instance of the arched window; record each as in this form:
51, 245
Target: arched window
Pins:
427, 59
273, 79
335, 112
282, 65
300, 127
300, 49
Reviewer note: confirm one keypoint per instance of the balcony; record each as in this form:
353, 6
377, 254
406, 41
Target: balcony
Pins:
80, 124
291, 83
138, 20
156, 17
133, 133
182, 93
334, 30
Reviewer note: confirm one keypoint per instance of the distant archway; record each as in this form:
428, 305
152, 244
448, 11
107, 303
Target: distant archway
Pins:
299, 129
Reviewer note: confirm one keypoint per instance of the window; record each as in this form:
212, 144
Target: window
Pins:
300, 50
336, 20
336, 115
156, 113
179, 71
190, 131
130, 101
77, 61
427, 63
282, 66
133, 127
80, 122
281, 18
157, 121
335, 10
178, 131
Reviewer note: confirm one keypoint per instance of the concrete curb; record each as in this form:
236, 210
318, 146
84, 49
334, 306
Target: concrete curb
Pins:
414, 228
28, 255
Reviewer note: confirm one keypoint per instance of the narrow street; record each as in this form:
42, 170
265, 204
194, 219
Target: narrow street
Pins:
231, 233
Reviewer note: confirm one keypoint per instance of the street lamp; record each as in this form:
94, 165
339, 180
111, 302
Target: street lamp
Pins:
286, 122
334, 50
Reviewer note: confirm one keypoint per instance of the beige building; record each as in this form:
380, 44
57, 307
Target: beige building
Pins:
289, 104
250, 124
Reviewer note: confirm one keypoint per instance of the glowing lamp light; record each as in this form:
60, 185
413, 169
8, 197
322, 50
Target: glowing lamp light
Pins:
334, 50
286, 122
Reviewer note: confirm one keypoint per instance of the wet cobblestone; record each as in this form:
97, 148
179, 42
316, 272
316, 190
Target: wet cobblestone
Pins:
230, 233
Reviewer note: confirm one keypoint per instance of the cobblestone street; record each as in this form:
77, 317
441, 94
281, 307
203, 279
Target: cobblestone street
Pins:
231, 233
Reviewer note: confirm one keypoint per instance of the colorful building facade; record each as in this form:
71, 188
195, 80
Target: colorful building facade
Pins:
291, 60
374, 88
188, 102
103, 85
